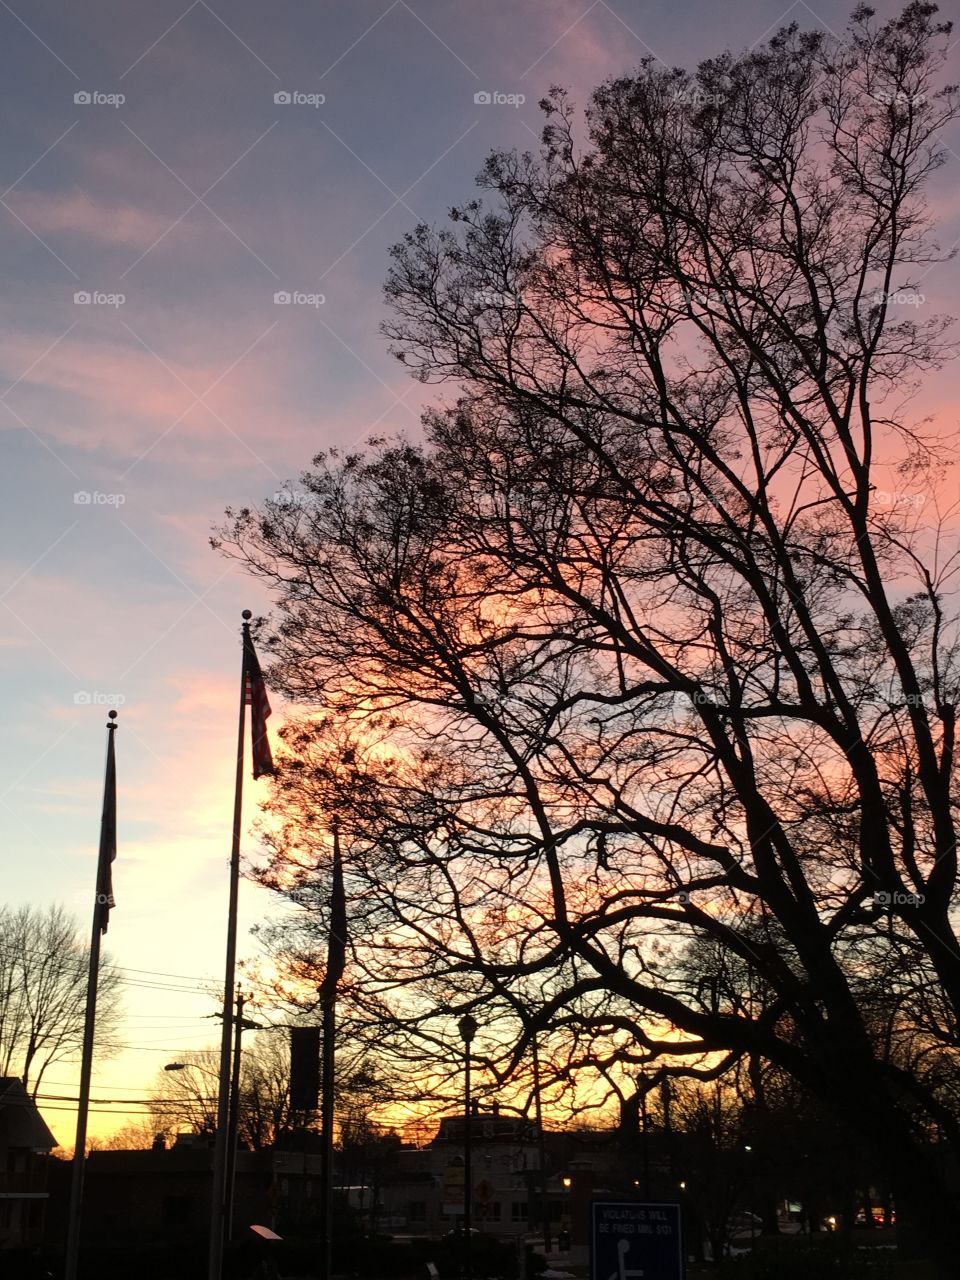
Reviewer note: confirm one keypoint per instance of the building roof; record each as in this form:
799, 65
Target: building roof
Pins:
21, 1124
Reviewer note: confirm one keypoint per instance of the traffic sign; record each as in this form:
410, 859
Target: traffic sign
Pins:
635, 1240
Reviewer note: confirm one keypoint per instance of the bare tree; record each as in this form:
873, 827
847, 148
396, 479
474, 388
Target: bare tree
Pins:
44, 961
186, 1099
649, 648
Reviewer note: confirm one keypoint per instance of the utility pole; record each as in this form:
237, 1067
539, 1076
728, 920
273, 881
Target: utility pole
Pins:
541, 1147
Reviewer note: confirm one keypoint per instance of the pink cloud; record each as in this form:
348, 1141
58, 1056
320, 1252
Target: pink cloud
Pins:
77, 213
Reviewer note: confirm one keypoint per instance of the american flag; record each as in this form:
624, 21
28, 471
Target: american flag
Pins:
255, 697
108, 834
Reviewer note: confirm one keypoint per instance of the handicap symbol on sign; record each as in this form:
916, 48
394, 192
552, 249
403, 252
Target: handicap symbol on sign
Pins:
623, 1272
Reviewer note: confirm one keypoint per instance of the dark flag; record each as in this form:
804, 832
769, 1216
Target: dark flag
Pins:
337, 941
108, 834
304, 1068
256, 699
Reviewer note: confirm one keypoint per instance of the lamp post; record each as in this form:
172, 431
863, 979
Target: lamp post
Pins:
467, 1027
645, 1120
241, 1024
234, 1116
204, 1071
753, 1226
566, 1215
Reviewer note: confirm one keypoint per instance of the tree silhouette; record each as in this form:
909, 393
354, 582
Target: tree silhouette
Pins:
648, 649
44, 960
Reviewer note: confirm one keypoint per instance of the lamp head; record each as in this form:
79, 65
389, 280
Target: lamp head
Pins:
467, 1027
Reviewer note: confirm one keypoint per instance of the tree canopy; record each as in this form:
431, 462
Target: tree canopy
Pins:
638, 679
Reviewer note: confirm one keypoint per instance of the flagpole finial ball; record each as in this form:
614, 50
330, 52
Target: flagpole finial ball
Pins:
246, 615
112, 715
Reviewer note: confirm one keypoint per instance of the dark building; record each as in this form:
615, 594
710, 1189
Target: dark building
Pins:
25, 1142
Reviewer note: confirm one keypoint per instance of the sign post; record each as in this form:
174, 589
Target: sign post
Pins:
635, 1240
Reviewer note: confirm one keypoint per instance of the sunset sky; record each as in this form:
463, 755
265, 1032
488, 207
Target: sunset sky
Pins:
182, 386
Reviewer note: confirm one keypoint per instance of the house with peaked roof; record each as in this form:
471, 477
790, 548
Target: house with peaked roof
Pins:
25, 1142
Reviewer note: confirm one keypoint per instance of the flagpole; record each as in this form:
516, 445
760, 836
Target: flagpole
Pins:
100, 910
328, 1000
219, 1193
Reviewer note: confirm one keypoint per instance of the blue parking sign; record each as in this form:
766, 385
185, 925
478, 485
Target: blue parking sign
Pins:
635, 1240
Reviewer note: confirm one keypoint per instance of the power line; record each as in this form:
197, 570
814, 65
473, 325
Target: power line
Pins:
11, 947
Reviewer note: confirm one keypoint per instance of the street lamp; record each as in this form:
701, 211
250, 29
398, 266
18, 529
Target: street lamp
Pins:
233, 1117
645, 1119
467, 1026
566, 1217
753, 1226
